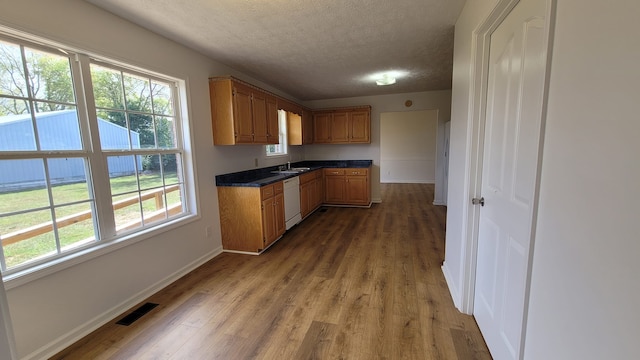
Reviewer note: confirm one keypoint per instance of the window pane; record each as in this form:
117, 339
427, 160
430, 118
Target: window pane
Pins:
20, 245
137, 93
150, 176
49, 76
69, 180
127, 213
162, 99
171, 168
16, 128
22, 185
122, 174
112, 126
153, 208
142, 131
107, 87
174, 199
75, 225
166, 132
58, 129
12, 78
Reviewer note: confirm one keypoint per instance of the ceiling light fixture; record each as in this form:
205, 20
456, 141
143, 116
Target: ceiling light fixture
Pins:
386, 79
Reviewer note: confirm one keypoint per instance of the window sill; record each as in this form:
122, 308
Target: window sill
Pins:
37, 272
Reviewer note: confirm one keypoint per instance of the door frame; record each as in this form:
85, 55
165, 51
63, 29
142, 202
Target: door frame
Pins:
481, 41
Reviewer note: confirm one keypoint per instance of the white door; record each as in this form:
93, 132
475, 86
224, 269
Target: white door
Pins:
510, 159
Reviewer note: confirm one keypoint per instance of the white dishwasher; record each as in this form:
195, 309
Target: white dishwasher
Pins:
292, 201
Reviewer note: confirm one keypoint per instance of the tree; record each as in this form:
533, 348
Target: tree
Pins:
47, 76
119, 96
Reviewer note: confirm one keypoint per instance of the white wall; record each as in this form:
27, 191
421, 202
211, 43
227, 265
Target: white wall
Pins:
7, 341
458, 197
584, 293
51, 311
408, 146
428, 100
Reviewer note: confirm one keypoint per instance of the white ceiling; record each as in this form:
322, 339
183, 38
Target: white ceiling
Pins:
312, 49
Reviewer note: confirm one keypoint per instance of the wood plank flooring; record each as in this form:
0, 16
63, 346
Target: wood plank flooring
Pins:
346, 283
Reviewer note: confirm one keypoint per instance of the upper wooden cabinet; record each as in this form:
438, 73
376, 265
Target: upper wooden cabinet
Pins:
242, 114
300, 128
273, 129
342, 126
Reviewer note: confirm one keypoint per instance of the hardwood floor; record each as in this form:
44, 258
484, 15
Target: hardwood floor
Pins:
346, 283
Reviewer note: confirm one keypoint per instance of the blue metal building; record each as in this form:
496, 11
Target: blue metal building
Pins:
57, 130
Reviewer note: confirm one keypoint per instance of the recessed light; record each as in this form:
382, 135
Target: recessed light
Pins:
386, 79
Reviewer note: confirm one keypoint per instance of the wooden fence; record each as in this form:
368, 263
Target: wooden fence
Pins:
46, 227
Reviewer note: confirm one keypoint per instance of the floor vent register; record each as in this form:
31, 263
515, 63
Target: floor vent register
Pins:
136, 314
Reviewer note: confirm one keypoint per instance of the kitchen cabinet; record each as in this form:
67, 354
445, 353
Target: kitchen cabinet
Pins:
273, 127
322, 127
241, 114
251, 218
342, 126
310, 192
347, 186
307, 127
300, 128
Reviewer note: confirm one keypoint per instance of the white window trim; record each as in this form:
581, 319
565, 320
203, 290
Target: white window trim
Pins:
184, 136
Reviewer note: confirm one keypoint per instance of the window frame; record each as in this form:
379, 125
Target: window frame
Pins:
97, 175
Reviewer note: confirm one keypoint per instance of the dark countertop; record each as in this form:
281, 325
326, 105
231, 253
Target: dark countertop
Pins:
264, 176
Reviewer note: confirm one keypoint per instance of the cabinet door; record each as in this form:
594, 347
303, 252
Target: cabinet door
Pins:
334, 189
357, 190
319, 194
279, 219
307, 127
273, 130
322, 128
242, 114
359, 125
340, 127
305, 196
259, 107
268, 220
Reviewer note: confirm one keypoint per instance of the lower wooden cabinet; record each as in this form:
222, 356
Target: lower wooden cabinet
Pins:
251, 218
310, 192
347, 186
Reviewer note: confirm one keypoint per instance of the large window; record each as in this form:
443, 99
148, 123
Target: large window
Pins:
90, 151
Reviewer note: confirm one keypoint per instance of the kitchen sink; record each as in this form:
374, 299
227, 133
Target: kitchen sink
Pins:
295, 170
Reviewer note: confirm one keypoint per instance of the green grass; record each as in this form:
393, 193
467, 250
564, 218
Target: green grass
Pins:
75, 234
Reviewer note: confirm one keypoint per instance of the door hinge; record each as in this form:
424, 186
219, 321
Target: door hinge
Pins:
478, 201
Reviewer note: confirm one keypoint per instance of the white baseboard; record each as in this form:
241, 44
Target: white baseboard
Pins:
453, 290
78, 333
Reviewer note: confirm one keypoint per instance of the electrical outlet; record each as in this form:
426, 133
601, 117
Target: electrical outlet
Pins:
255, 162
208, 231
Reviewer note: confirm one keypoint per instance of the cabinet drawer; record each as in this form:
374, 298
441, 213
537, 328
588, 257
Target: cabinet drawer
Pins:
267, 191
333, 172
278, 188
308, 176
357, 171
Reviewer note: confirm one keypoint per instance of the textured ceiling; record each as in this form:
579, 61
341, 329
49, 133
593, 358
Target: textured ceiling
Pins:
312, 49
